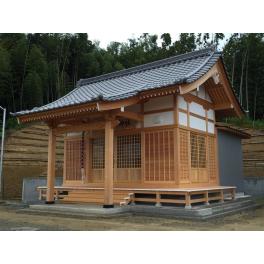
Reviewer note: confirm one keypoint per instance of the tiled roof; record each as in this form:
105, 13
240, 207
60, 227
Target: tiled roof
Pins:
184, 68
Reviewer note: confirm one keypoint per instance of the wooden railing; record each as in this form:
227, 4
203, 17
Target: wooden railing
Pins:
184, 197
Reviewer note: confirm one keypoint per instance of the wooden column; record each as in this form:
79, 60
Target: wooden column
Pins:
51, 167
109, 171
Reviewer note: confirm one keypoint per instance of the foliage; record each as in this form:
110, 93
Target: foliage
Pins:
245, 122
244, 60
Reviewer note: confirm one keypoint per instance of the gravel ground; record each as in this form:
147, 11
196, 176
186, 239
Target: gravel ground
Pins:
13, 218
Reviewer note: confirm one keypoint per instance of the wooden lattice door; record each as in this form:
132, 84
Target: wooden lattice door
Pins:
74, 159
159, 156
199, 170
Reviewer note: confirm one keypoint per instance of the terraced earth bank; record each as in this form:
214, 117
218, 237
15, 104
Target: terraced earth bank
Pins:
25, 155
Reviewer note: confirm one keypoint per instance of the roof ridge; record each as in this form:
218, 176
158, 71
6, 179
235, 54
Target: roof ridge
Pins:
147, 66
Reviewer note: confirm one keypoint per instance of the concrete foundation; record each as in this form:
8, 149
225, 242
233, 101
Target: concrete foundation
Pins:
196, 212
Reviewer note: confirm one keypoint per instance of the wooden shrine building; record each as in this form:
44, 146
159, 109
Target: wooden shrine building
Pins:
144, 134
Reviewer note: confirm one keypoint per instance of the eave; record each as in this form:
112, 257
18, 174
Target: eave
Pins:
216, 83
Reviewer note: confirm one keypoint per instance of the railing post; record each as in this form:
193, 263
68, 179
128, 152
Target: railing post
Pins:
188, 200
132, 198
207, 198
40, 194
158, 204
233, 193
222, 196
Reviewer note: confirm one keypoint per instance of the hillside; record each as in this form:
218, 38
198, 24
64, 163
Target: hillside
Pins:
25, 155
253, 153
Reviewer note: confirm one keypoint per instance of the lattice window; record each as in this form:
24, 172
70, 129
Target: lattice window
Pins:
74, 158
98, 152
128, 151
211, 159
198, 151
159, 156
184, 155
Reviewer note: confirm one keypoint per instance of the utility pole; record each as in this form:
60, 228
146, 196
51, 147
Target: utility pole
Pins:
2, 151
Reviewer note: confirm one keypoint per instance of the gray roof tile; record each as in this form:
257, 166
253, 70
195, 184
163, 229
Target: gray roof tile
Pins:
122, 84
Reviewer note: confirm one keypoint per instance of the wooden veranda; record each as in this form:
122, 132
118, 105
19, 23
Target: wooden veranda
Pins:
158, 197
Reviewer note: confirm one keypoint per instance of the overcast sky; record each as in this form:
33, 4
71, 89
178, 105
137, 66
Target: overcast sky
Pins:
106, 37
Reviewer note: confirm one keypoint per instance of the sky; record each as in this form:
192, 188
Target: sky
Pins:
106, 37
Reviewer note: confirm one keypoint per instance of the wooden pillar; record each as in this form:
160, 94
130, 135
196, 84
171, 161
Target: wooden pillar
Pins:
51, 167
109, 170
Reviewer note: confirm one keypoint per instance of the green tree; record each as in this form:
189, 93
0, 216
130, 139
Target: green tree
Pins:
33, 90
6, 91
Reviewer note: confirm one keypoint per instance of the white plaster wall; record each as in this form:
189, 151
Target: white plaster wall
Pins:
211, 127
202, 92
183, 119
159, 119
196, 109
182, 104
197, 123
159, 103
210, 114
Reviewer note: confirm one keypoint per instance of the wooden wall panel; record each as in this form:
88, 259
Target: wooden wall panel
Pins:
73, 159
212, 159
159, 156
184, 156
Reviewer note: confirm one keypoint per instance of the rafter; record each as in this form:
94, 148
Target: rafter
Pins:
223, 106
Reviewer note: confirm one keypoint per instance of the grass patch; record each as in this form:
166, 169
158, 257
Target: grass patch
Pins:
245, 122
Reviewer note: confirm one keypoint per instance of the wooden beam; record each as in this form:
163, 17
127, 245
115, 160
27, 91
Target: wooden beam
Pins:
58, 113
157, 92
80, 128
223, 106
109, 170
104, 106
228, 89
186, 88
129, 115
192, 98
51, 167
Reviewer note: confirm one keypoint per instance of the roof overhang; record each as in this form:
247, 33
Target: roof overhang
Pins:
232, 130
99, 106
216, 83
